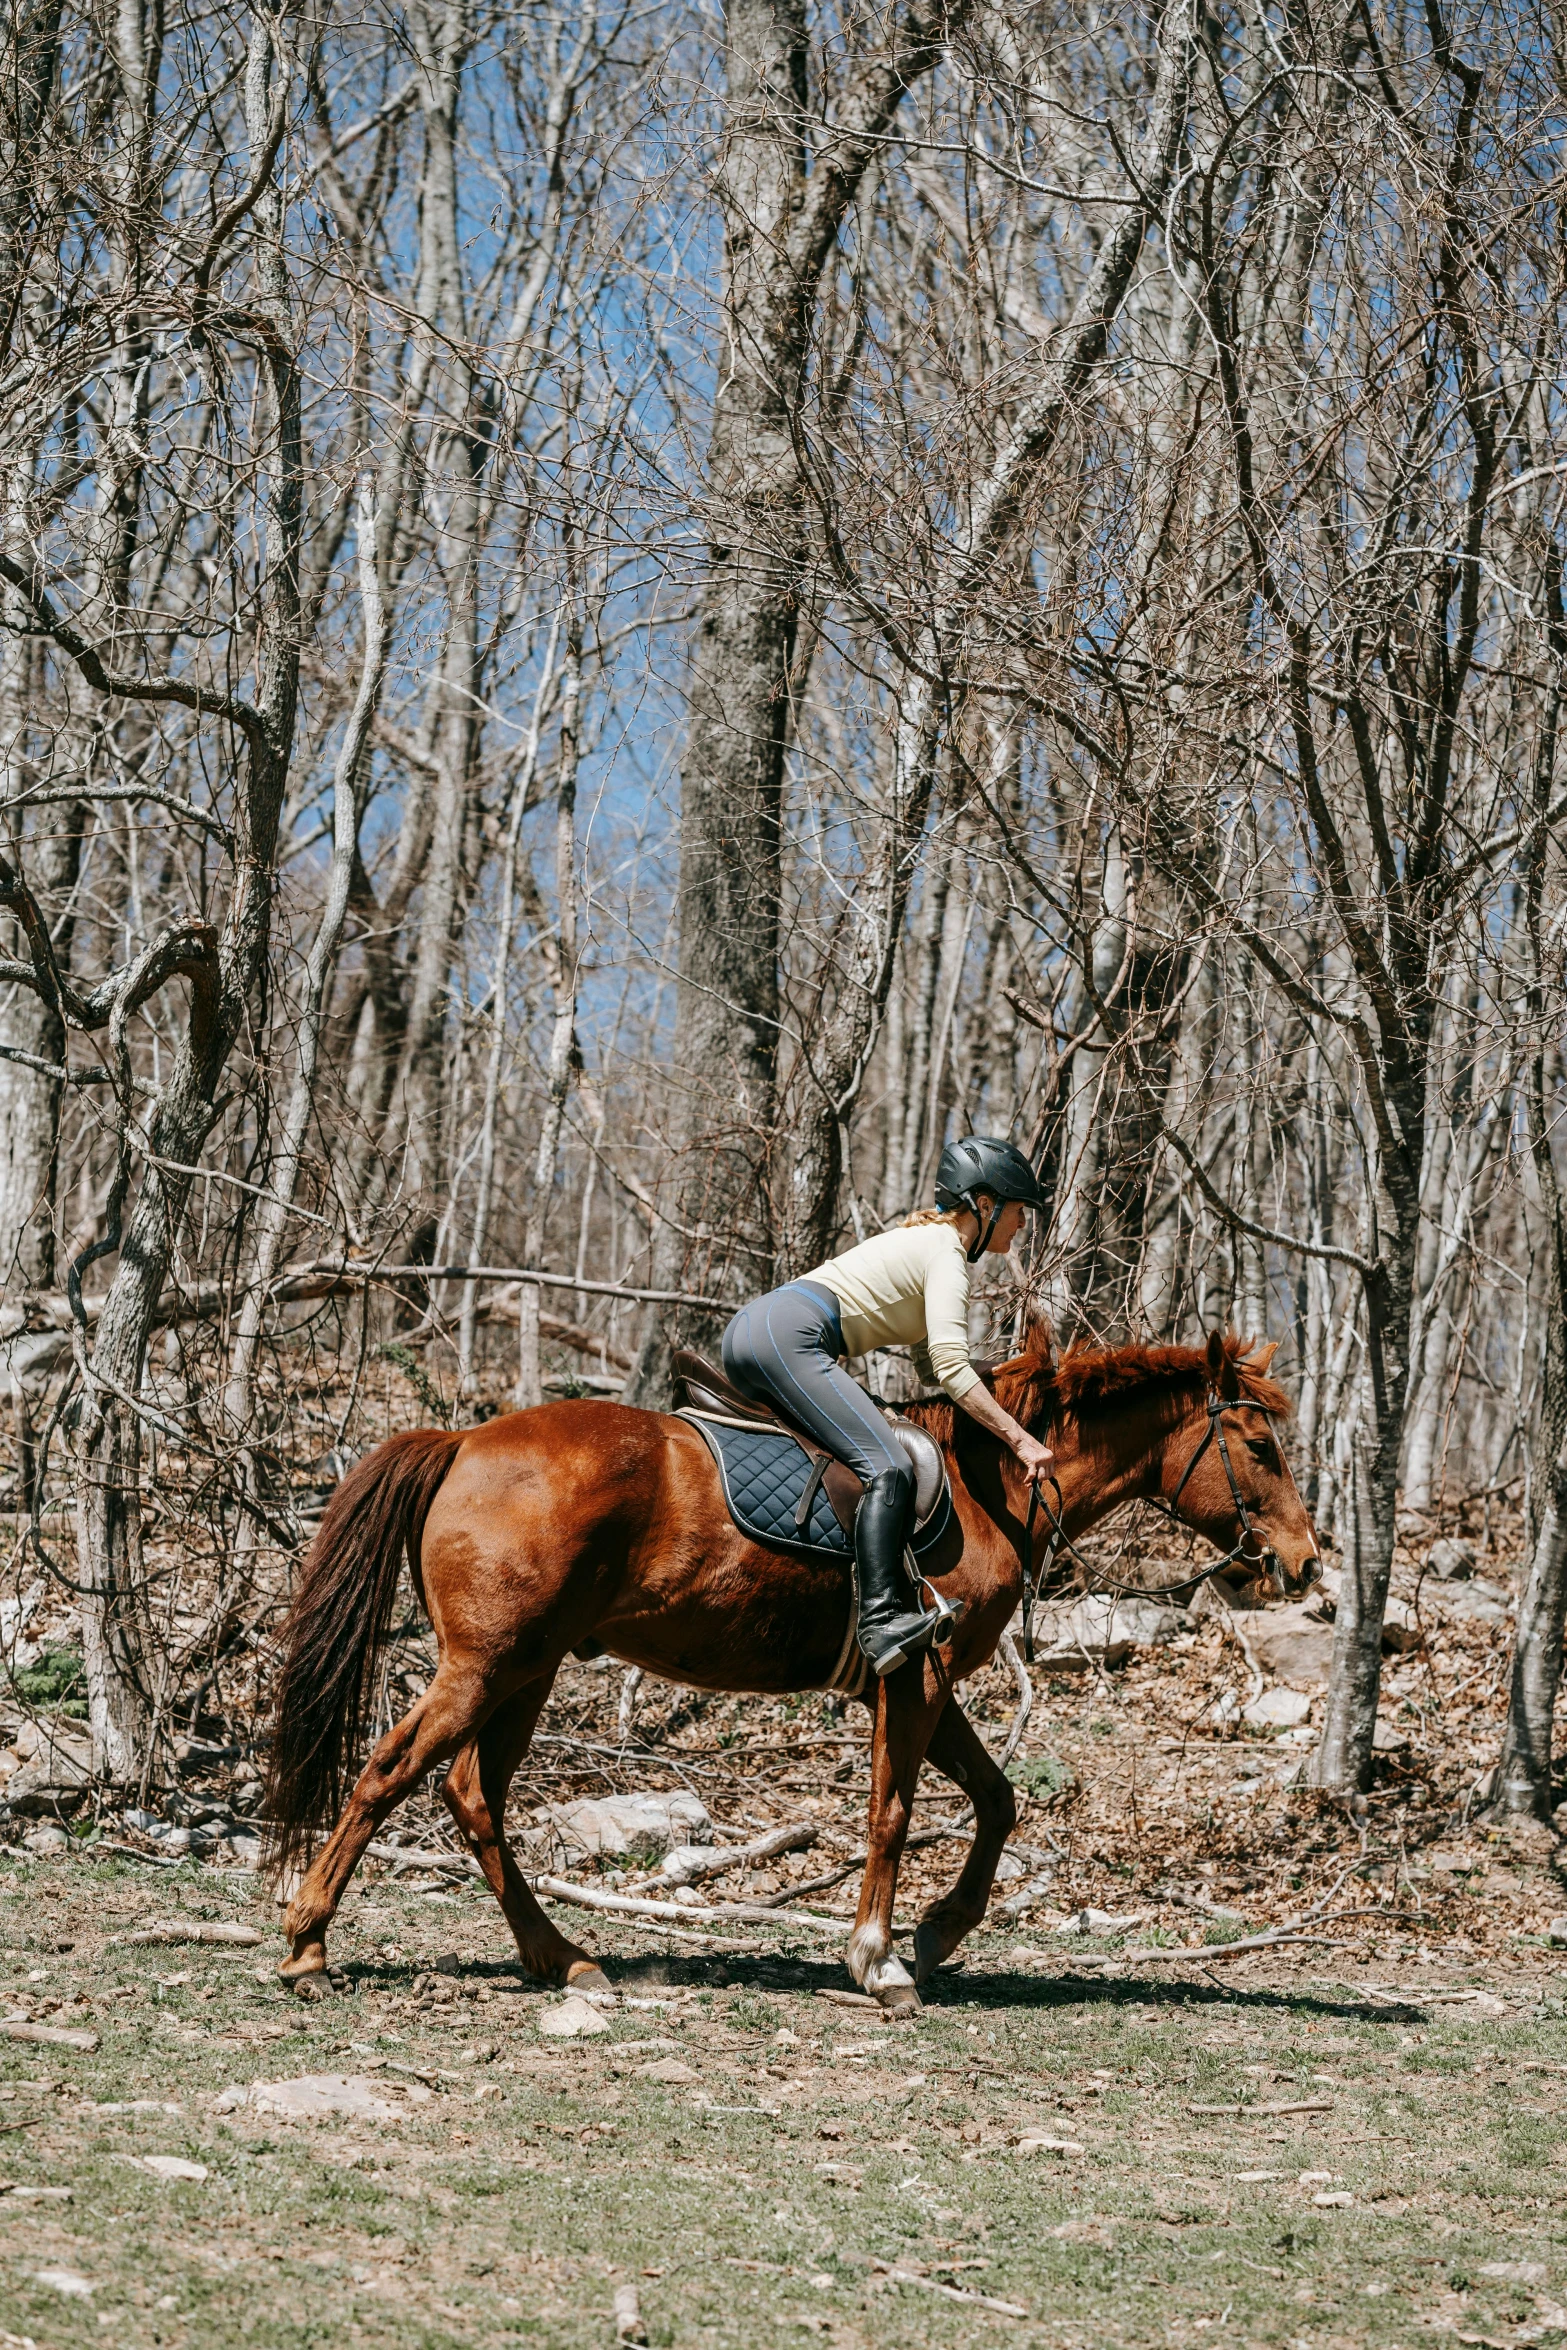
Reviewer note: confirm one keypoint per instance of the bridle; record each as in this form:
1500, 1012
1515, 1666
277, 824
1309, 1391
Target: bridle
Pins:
1060, 1542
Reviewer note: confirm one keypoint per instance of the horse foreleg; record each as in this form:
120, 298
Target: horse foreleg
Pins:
475, 1795
908, 1705
445, 1715
957, 1750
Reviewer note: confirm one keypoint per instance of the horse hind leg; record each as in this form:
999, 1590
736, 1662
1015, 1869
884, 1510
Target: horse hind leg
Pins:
960, 1755
444, 1716
475, 1795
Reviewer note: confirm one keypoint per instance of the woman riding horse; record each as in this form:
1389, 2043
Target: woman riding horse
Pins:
907, 1287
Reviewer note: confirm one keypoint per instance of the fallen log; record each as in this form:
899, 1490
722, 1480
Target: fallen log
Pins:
51, 2036
690, 1864
681, 1913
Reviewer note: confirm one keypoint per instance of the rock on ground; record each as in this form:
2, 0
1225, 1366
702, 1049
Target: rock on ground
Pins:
314, 2094
1103, 1629
52, 1770
1291, 1644
573, 2019
616, 1827
1277, 1709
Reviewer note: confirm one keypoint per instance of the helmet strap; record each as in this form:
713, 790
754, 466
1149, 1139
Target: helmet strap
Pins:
986, 1230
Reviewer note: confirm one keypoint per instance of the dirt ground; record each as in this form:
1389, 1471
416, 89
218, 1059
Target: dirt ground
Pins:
1354, 2140
762, 2163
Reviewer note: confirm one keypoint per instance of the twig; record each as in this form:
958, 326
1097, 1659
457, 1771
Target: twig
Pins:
906, 2276
857, 1858
698, 1862
531, 1273
1025, 1698
463, 1862
191, 1930
1304, 1931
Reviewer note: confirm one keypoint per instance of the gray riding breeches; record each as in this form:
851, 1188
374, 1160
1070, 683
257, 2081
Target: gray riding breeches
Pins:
782, 1350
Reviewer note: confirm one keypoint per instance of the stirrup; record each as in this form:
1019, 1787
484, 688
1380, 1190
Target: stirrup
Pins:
906, 1637
936, 1603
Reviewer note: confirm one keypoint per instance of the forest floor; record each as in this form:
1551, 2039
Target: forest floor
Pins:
1287, 2149
1354, 2140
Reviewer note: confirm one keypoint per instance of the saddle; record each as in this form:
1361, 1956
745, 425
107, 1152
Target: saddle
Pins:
785, 1490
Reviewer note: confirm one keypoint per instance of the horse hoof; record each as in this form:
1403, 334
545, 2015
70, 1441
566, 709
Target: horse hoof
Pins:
928, 1953
589, 1981
901, 2000
304, 1965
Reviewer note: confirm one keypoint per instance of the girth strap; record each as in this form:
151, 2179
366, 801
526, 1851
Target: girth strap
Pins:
808, 1492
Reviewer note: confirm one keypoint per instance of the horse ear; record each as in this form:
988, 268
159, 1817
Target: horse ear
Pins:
1260, 1360
1221, 1363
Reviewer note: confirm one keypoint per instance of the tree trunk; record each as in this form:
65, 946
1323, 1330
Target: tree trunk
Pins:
30, 1099
527, 1297
781, 221
1343, 1758
1080, 1184
563, 1037
458, 453
1523, 1776
222, 972
996, 515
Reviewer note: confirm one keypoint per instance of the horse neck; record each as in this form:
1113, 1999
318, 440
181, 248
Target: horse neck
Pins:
1117, 1459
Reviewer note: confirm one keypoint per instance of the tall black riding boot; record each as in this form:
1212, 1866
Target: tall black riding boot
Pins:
890, 1630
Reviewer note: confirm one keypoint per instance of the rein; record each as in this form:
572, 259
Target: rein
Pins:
1060, 1542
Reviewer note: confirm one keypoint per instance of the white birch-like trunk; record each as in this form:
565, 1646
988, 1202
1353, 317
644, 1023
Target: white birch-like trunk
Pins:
563, 1038
522, 799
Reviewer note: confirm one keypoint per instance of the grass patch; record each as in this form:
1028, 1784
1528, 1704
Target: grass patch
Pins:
1043, 1775
57, 1683
753, 2203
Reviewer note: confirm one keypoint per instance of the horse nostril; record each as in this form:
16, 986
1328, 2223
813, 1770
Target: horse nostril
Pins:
1311, 1571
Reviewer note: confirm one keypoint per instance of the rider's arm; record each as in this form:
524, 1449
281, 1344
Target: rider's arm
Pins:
982, 1406
946, 1328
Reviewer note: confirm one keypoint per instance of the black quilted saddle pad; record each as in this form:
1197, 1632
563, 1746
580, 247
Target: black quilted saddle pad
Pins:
765, 1473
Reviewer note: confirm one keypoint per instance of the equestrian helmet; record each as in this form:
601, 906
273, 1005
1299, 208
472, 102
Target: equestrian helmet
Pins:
986, 1162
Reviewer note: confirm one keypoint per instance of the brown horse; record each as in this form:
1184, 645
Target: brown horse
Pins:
587, 1526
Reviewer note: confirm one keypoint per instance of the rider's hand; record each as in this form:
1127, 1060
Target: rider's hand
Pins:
1035, 1457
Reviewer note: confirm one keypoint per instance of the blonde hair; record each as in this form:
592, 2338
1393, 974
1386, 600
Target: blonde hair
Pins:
934, 1216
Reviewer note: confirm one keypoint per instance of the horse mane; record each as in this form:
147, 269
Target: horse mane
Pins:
1041, 1389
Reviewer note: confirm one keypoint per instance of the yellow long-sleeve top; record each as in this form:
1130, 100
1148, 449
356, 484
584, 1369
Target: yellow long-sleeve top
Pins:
906, 1286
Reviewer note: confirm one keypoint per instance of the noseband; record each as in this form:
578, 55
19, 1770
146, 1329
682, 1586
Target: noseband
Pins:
1060, 1542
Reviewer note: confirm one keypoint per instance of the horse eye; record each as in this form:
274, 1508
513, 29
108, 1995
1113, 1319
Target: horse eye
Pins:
1261, 1449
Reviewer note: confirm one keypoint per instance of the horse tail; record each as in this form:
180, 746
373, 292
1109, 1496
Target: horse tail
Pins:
336, 1628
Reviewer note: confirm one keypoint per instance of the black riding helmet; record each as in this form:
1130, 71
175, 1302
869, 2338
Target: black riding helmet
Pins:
985, 1162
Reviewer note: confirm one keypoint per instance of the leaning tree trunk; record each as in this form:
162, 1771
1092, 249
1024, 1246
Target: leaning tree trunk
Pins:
994, 527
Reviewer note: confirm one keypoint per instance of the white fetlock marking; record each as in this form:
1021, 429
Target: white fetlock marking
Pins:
867, 1948
889, 1975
